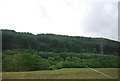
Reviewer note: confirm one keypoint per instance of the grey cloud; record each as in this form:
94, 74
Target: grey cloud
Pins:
42, 8
69, 3
101, 20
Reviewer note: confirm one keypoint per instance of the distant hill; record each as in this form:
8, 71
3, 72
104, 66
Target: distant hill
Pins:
57, 43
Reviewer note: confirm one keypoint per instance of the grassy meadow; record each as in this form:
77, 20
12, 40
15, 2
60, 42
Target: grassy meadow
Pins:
65, 73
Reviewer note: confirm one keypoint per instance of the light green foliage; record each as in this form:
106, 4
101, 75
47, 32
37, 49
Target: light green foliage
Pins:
75, 59
26, 60
58, 58
51, 58
68, 59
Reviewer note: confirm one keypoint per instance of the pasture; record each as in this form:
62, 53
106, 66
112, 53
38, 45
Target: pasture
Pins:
65, 73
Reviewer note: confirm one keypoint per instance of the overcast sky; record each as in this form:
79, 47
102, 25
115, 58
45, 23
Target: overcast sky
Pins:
66, 17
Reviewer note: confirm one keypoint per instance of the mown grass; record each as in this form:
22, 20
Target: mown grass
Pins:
66, 73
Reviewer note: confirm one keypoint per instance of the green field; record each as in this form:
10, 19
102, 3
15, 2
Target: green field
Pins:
66, 73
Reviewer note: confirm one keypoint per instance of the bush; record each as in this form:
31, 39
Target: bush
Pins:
53, 67
24, 62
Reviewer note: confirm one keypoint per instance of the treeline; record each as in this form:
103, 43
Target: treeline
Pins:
57, 43
31, 60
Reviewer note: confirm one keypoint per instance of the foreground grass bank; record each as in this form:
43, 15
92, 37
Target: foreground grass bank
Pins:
66, 73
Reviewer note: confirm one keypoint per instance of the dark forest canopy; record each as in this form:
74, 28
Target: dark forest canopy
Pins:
56, 43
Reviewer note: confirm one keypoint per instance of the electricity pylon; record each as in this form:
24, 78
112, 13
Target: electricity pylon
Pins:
102, 45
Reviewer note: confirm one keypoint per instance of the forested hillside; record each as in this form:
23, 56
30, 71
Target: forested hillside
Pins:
28, 52
57, 43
